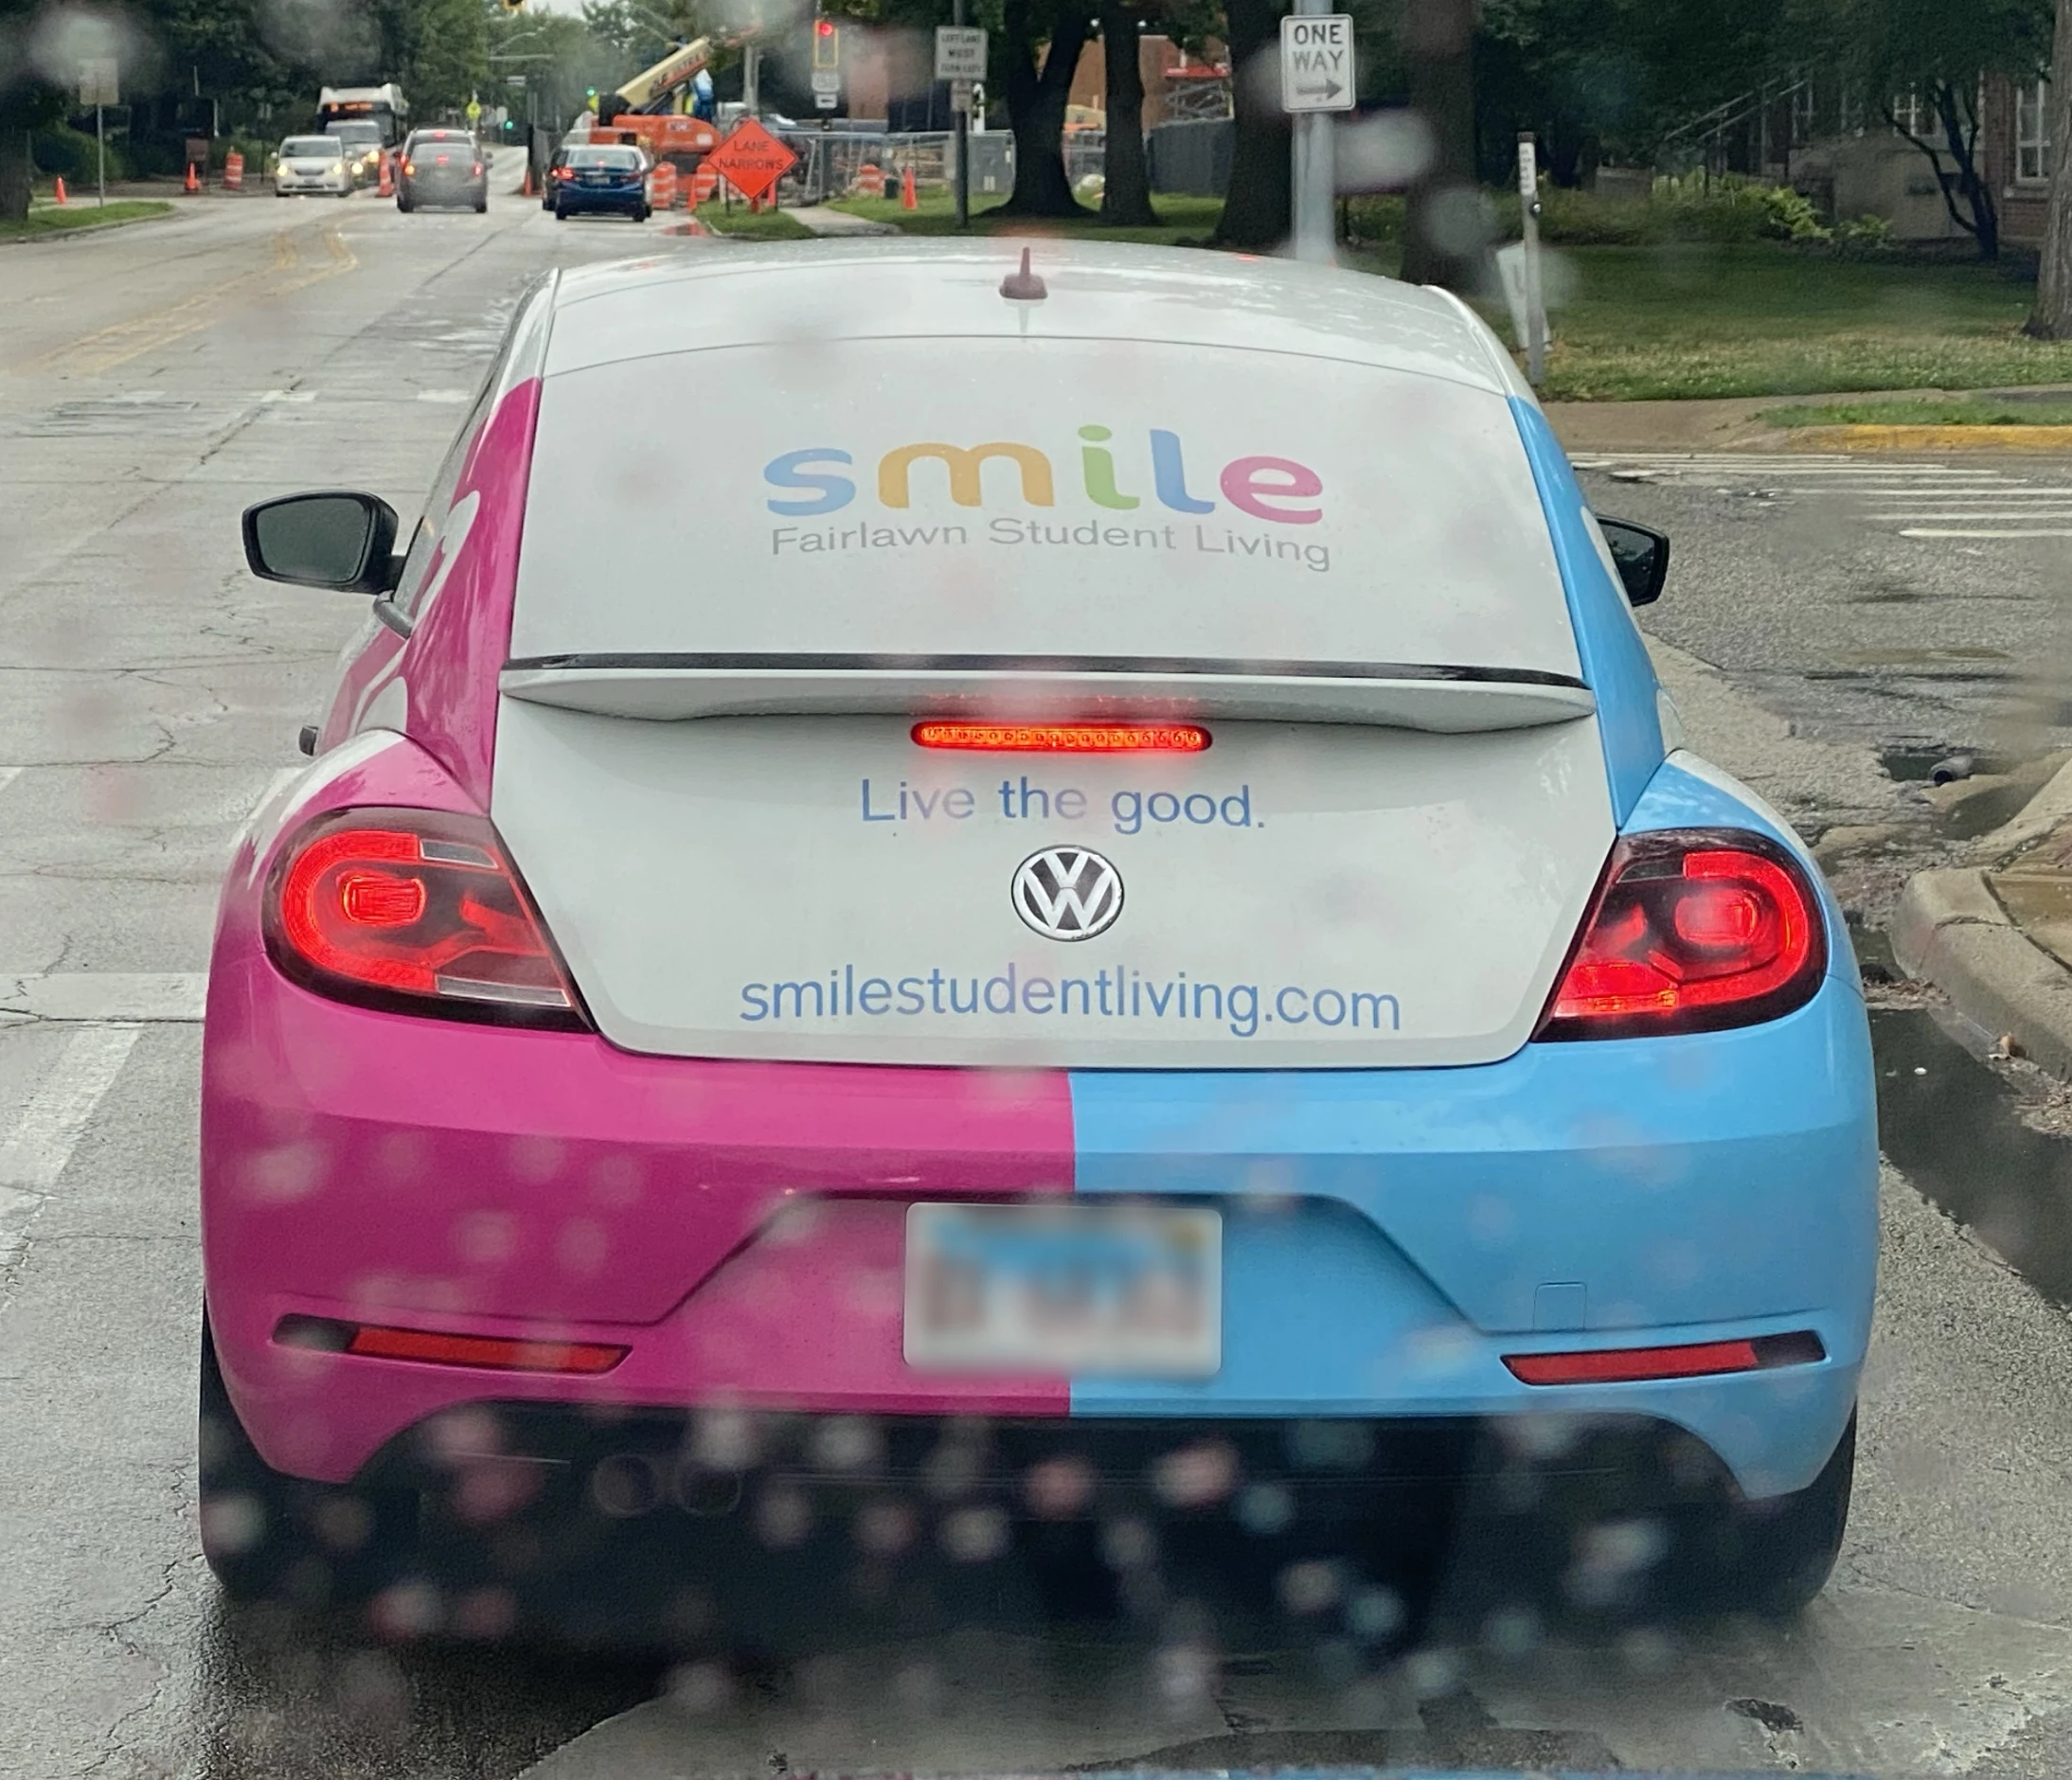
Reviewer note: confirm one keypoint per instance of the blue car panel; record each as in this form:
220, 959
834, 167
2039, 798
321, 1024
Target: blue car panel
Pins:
1390, 1235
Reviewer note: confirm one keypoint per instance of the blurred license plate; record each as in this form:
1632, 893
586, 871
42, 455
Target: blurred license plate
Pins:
1076, 1287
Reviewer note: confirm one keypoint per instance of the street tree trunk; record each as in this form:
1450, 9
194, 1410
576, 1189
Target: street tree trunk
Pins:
1126, 183
2051, 319
14, 170
1036, 102
1442, 240
1256, 213
1966, 195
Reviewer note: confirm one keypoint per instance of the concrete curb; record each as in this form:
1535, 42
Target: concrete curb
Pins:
1930, 439
1949, 930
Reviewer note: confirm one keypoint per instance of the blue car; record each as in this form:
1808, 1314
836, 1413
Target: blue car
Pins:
604, 181
1111, 925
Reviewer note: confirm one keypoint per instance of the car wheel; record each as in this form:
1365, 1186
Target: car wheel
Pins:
271, 1537
482, 207
404, 206
642, 214
1772, 1558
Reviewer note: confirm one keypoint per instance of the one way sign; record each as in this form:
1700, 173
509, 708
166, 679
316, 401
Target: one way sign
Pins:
1316, 62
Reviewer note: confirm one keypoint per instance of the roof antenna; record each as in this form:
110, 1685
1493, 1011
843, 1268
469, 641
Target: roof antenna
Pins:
1023, 286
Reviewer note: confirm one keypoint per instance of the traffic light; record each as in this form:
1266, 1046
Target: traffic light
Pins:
827, 45
590, 96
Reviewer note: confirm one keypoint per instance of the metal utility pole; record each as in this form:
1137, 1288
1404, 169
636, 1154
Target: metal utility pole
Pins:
752, 81
1528, 207
1316, 78
963, 141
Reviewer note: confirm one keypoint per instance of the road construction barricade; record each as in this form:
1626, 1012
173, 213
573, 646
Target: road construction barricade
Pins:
871, 180
662, 187
234, 171
705, 186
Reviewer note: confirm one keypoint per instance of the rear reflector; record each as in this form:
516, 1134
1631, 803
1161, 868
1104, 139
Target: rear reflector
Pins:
1694, 930
429, 1347
417, 911
1699, 1359
1064, 737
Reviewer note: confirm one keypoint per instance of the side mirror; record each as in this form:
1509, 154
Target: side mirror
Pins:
1642, 556
336, 539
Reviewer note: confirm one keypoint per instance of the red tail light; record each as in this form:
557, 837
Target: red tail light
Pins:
1063, 737
476, 171
1693, 929
411, 168
417, 910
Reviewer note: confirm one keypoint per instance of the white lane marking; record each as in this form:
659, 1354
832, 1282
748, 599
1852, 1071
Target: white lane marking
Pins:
99, 996
48, 1127
2017, 512
442, 395
1923, 531
8, 775
289, 395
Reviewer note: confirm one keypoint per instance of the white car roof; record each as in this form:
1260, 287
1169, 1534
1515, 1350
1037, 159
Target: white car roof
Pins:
771, 292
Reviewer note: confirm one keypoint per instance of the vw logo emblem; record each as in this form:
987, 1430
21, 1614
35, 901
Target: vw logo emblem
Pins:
1067, 893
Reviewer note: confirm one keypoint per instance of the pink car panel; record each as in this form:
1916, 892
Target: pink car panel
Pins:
738, 1224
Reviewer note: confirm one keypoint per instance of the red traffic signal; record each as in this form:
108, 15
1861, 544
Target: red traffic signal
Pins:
827, 45
826, 27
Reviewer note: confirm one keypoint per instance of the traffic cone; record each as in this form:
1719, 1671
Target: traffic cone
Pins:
526, 190
907, 200
387, 187
194, 180
61, 188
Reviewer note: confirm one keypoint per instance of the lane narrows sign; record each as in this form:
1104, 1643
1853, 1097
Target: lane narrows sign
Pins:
1316, 62
751, 159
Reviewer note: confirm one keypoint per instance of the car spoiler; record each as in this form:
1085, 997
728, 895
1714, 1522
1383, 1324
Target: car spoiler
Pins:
1396, 695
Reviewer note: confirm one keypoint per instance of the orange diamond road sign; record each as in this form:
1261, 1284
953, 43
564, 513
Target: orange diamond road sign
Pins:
751, 160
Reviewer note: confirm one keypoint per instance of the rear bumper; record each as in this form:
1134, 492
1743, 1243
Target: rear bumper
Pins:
577, 202
463, 190
1389, 1236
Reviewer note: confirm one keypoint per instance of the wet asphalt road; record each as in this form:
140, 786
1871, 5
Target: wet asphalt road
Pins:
153, 381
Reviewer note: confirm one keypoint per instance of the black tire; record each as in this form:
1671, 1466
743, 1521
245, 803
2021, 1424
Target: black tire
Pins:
482, 207
642, 214
1772, 1558
271, 1537
404, 206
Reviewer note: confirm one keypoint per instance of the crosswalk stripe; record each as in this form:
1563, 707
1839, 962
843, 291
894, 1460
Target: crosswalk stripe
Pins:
94, 997
49, 1126
1923, 500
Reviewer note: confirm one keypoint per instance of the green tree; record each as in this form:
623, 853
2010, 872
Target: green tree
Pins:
1937, 53
28, 102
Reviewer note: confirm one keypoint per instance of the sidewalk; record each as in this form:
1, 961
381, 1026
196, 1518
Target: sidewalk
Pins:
1734, 424
821, 219
1995, 934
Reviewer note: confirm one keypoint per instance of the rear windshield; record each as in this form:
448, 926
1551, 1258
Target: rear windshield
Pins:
618, 160
1047, 497
306, 148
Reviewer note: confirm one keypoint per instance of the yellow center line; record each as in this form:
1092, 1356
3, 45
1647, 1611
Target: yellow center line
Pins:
110, 347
